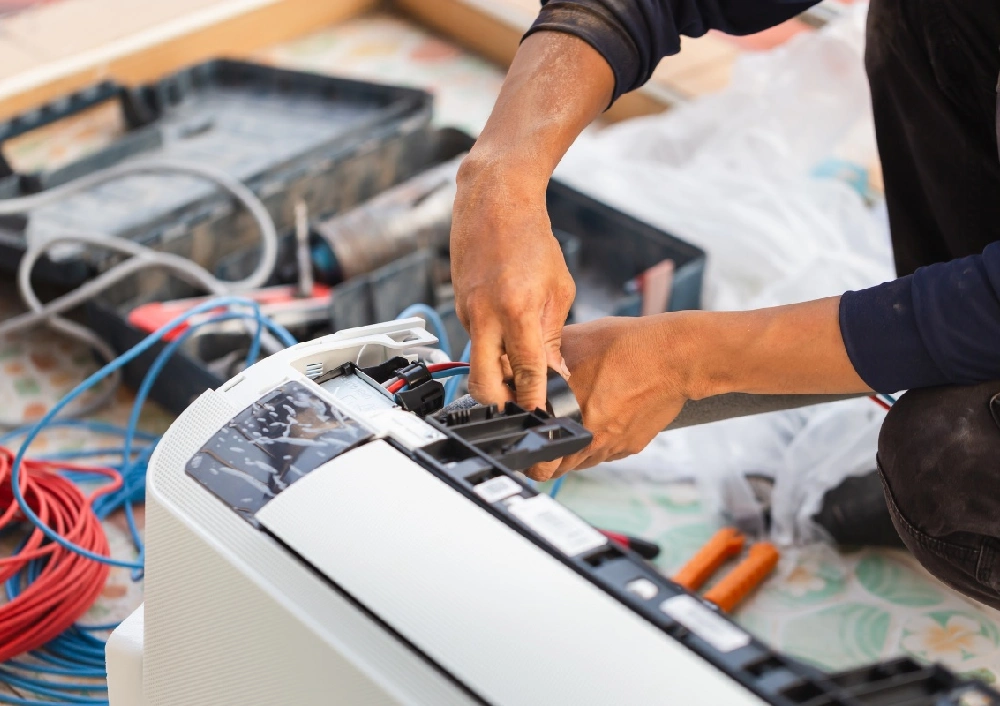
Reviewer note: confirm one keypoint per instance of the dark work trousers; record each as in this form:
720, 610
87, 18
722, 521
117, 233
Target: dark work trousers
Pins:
939, 459
933, 68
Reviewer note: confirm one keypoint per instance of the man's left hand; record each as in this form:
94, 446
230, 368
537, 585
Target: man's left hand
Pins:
626, 391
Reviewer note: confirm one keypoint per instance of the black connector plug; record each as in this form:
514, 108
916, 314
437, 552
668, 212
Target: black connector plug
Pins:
414, 375
424, 399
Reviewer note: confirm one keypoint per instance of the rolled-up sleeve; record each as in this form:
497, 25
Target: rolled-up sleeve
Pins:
634, 35
938, 326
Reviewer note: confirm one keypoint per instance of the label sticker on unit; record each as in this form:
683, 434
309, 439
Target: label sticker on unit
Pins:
496, 489
557, 525
705, 623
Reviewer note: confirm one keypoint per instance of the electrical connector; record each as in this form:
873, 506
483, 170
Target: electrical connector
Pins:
422, 400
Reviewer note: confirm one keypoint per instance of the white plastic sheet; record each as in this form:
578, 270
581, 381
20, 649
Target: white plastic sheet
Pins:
734, 173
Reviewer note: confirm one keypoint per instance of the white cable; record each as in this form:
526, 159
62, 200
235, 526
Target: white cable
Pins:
142, 258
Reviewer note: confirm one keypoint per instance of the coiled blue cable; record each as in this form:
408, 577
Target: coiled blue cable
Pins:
96, 378
76, 653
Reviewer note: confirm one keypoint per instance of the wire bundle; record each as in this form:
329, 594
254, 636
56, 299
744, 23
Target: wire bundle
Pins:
60, 568
76, 653
438, 371
140, 258
58, 585
884, 401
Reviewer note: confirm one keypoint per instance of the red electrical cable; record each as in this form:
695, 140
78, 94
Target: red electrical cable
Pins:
880, 402
68, 584
398, 384
436, 367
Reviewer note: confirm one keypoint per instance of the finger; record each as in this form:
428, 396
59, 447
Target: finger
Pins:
553, 348
526, 352
486, 381
542, 472
572, 462
592, 460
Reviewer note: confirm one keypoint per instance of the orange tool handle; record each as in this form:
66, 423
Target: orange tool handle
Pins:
723, 546
744, 578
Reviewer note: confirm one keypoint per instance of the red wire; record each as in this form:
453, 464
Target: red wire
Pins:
396, 386
68, 584
437, 367
880, 402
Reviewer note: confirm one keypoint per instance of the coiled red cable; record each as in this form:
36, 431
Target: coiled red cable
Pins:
68, 584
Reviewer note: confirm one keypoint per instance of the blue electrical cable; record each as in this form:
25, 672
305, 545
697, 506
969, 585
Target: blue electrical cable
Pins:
93, 426
93, 380
557, 486
4, 699
83, 454
450, 373
434, 319
76, 652
140, 399
451, 387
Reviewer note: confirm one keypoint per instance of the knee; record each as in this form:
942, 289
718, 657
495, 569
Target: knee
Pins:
937, 452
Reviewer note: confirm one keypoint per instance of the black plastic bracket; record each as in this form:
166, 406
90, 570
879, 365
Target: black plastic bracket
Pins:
515, 437
387, 370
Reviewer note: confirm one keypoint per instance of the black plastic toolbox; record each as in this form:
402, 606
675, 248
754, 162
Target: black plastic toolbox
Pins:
290, 136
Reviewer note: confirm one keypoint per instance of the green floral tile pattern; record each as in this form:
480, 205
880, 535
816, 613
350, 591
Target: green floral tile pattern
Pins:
892, 581
838, 637
962, 639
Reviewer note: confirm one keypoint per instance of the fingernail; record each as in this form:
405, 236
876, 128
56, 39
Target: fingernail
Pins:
564, 369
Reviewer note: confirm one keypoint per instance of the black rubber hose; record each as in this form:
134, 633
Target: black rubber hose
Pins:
695, 412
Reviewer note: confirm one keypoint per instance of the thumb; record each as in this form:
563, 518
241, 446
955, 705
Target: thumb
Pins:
542, 472
552, 335
554, 358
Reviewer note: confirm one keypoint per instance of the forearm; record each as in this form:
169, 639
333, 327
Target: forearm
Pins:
556, 86
795, 349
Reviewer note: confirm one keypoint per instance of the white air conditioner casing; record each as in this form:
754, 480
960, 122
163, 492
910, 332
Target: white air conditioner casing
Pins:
369, 580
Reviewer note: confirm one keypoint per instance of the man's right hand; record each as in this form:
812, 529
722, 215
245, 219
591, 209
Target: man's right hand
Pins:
513, 289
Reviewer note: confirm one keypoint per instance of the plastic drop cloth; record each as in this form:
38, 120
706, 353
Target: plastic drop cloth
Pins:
738, 173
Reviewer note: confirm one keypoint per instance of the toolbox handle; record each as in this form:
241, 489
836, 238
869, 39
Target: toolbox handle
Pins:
135, 111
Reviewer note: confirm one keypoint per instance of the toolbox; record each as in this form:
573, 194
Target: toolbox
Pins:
604, 248
290, 136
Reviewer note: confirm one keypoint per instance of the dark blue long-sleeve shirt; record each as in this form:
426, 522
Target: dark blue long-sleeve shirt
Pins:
938, 326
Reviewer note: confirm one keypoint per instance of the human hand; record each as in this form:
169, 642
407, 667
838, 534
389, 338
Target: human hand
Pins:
626, 387
513, 291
